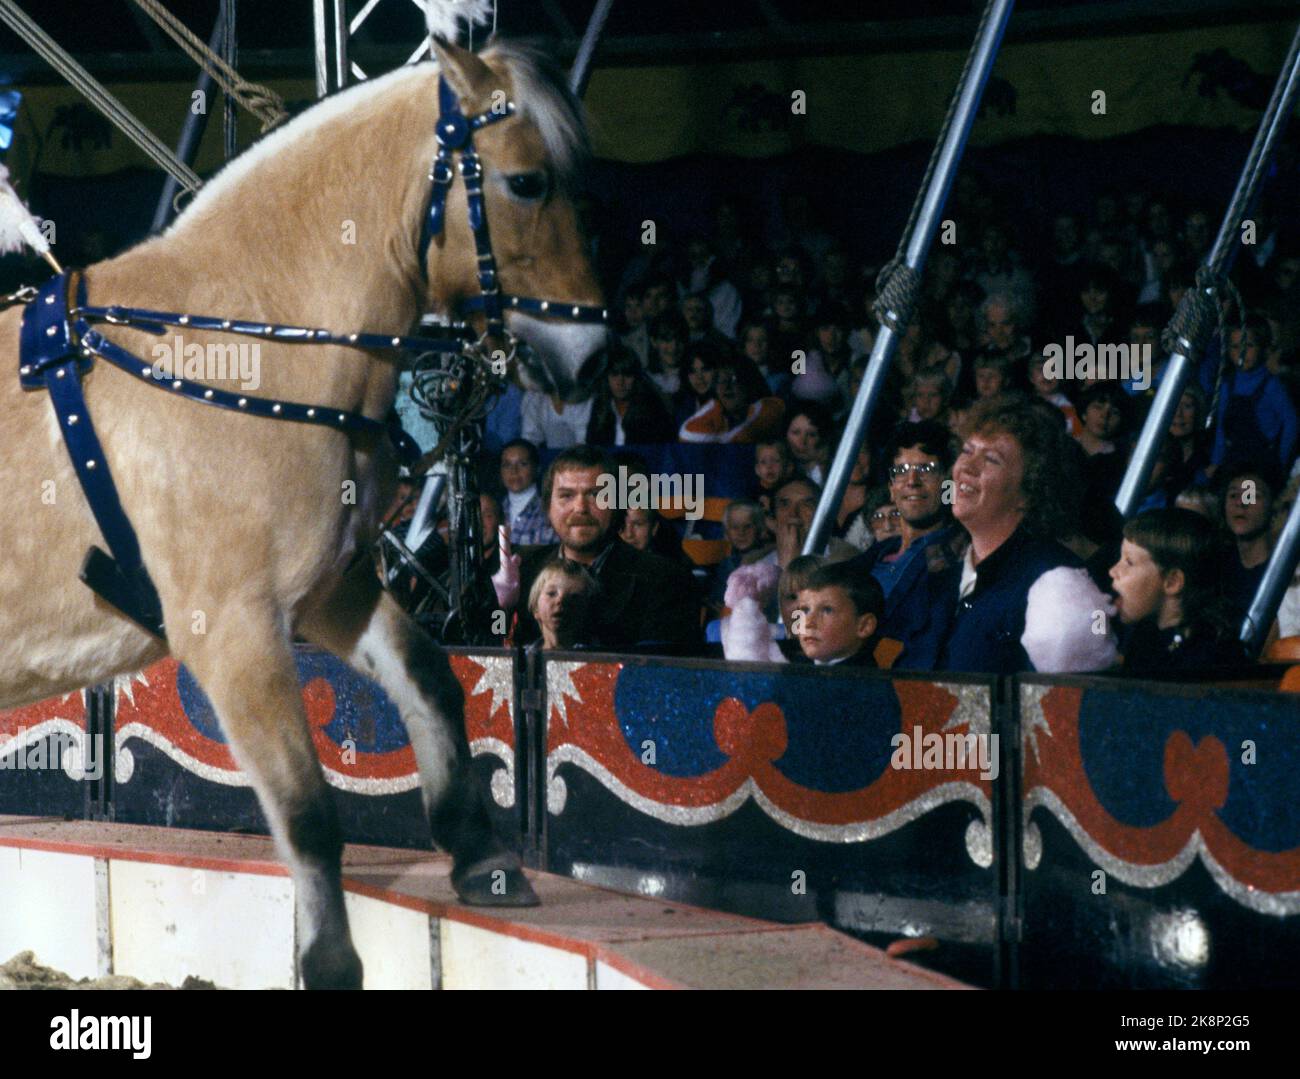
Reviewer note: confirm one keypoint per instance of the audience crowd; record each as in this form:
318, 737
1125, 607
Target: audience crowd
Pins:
978, 530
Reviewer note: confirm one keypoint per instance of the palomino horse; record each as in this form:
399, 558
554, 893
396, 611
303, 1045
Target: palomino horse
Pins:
255, 531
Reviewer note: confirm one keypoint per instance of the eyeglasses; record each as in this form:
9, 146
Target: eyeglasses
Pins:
930, 468
881, 516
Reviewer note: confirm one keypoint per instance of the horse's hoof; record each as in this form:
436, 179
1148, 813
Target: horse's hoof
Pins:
497, 881
331, 967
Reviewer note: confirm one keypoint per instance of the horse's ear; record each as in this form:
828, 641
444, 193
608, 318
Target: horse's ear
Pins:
465, 73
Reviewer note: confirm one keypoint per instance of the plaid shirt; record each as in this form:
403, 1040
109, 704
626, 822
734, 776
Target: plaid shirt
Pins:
531, 526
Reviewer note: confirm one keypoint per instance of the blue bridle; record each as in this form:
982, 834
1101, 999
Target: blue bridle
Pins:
58, 345
455, 134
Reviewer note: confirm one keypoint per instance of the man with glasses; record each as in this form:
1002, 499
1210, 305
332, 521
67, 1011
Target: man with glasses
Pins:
920, 455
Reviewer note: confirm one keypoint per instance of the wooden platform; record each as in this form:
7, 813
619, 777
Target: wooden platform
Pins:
160, 904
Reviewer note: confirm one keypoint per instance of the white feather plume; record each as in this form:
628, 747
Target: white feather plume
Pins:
18, 228
447, 17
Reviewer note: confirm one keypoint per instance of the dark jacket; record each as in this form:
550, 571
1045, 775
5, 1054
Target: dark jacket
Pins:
647, 603
1199, 647
907, 606
982, 632
646, 420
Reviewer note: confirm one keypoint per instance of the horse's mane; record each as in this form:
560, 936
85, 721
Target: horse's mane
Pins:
541, 95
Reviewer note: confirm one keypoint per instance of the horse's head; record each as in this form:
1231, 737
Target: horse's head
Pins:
528, 161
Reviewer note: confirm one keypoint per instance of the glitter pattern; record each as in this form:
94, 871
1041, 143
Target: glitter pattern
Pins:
979, 843
1280, 904
1032, 844
560, 690
1032, 719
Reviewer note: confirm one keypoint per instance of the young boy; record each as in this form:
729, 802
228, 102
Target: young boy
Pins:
836, 617
1255, 420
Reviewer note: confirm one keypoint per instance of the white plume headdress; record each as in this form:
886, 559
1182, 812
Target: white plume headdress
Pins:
18, 228
446, 17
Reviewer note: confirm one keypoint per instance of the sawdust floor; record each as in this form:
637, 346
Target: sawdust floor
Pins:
24, 972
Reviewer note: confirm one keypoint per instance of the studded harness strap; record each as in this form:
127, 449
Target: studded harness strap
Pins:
58, 344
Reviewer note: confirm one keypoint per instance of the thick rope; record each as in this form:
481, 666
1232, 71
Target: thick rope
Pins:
93, 91
262, 102
898, 286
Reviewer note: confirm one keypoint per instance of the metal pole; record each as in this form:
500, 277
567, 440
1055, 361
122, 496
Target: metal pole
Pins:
984, 53
230, 54
1277, 578
340, 44
1218, 261
320, 34
581, 72
187, 146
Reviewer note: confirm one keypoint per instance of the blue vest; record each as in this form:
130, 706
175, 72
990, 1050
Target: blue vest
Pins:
981, 633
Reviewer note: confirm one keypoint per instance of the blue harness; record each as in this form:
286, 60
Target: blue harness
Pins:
58, 345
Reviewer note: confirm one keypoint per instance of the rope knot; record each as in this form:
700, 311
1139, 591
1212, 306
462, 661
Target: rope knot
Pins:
898, 289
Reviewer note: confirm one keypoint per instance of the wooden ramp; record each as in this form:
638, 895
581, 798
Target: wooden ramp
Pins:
160, 904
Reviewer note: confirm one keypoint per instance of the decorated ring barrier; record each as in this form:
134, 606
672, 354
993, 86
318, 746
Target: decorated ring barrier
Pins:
1030, 832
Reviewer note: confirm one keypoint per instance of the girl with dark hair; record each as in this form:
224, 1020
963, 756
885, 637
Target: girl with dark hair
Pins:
668, 339
1167, 584
700, 370
626, 408
1185, 454
808, 434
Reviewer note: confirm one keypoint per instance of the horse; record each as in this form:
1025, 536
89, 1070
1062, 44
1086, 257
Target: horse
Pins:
255, 532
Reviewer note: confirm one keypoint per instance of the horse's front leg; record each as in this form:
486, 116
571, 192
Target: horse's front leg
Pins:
364, 626
244, 662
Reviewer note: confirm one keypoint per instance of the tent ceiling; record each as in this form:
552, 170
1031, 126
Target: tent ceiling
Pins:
275, 37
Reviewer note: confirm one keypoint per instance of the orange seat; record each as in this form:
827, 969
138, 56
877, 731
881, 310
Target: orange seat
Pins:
887, 651
705, 552
1291, 681
713, 510
1282, 650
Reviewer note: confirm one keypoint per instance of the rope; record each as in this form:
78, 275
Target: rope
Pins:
82, 81
259, 100
898, 286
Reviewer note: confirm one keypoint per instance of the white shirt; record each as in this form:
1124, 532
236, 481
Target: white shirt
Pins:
516, 501
543, 426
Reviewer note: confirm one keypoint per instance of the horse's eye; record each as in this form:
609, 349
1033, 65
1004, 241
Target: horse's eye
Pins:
527, 185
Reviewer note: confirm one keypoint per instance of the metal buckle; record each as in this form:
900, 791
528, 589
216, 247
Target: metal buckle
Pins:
440, 171
25, 294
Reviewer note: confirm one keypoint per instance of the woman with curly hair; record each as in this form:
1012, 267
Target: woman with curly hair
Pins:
1018, 600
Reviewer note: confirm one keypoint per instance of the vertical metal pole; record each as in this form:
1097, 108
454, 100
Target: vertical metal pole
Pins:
581, 72
195, 124
321, 35
1277, 577
340, 44
984, 53
230, 54
1218, 261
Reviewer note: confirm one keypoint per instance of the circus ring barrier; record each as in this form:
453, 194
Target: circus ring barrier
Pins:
1134, 834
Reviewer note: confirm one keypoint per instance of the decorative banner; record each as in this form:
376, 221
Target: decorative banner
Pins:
689, 746
23, 732
358, 732
1147, 783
